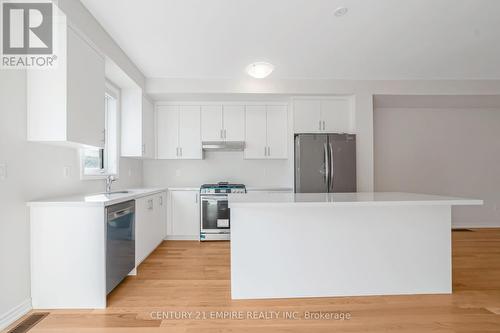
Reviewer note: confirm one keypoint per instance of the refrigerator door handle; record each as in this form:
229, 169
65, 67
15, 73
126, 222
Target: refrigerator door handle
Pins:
327, 166
330, 189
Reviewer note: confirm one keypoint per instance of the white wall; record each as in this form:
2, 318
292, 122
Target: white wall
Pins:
34, 170
216, 167
447, 145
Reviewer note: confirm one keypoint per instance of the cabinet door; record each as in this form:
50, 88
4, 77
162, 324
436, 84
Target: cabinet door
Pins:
234, 122
211, 123
148, 133
162, 216
185, 213
277, 137
143, 226
307, 116
85, 93
255, 132
190, 132
337, 115
167, 128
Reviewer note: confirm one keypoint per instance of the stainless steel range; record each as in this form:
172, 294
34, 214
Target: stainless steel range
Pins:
215, 221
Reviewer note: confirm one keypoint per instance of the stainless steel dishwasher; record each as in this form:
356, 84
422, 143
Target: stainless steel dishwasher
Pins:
120, 242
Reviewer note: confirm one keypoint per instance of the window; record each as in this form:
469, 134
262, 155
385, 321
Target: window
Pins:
97, 163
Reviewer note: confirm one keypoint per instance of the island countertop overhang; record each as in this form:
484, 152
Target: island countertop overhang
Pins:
346, 199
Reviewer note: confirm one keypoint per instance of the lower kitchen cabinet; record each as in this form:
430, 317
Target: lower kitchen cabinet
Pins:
150, 225
183, 215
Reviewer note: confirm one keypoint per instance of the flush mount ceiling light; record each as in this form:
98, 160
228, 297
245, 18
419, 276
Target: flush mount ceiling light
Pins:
341, 11
260, 70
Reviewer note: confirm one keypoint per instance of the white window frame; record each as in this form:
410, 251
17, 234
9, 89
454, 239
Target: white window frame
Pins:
113, 92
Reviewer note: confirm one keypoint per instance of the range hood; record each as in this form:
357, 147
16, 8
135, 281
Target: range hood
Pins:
223, 145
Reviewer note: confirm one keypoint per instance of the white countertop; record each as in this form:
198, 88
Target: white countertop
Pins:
346, 199
97, 199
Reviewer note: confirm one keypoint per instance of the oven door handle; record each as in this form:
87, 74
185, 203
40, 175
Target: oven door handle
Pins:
213, 197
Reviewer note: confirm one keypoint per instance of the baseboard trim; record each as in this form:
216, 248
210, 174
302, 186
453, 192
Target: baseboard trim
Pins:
14, 314
195, 238
475, 225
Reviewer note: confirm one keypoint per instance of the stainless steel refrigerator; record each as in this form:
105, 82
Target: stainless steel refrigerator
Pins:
325, 163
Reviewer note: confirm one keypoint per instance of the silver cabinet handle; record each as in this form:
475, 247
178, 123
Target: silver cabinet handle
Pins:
196, 198
265, 151
177, 151
150, 204
144, 148
268, 151
221, 134
319, 125
324, 125
161, 200
180, 151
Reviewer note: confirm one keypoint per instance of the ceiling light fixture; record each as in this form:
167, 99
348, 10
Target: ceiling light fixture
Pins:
341, 11
260, 70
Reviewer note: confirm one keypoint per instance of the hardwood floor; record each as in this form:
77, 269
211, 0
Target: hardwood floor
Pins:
194, 277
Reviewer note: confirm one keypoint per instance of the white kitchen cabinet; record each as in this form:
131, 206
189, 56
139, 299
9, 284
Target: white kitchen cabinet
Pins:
266, 132
234, 122
222, 123
150, 224
337, 115
211, 123
167, 132
277, 125
178, 131
137, 124
190, 132
183, 215
65, 104
148, 129
307, 116
323, 115
255, 132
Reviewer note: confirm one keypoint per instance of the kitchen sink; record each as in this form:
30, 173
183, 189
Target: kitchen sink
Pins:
115, 192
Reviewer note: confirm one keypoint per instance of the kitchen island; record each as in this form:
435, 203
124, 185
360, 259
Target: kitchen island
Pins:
286, 245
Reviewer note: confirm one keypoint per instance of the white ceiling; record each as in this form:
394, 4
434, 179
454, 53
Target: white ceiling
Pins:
382, 39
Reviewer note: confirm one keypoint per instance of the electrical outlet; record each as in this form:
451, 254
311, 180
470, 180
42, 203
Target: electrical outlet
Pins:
3, 171
67, 171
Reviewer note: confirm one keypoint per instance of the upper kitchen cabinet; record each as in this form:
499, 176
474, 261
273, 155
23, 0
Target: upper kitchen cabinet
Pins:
323, 115
178, 129
65, 104
222, 123
212, 123
137, 121
266, 132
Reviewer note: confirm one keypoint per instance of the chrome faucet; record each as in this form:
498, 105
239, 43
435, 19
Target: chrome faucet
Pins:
109, 180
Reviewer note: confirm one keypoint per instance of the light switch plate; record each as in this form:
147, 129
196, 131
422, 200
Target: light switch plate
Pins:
3, 171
